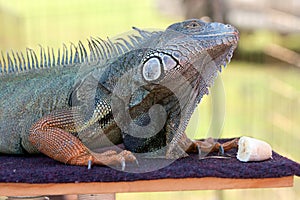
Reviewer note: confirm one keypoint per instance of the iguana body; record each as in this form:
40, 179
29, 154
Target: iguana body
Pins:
66, 106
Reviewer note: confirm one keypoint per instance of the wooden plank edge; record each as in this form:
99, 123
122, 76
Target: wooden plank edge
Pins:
160, 185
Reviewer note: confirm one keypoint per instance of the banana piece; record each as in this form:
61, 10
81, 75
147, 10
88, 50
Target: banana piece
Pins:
250, 149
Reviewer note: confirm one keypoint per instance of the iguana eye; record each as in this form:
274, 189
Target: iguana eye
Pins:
193, 25
152, 69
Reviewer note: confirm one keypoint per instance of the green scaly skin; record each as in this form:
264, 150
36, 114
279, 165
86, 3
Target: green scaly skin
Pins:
173, 68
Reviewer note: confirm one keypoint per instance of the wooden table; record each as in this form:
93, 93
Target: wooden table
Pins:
207, 183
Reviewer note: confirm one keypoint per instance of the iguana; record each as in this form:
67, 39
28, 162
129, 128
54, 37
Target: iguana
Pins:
140, 90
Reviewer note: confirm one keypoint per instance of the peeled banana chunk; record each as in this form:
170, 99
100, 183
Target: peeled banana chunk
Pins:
251, 149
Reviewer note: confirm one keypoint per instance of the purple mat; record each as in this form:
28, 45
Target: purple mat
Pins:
41, 169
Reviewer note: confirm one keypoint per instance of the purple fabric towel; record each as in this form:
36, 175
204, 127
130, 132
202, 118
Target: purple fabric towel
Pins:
41, 169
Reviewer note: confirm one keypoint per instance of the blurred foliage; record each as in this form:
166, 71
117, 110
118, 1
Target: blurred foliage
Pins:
291, 41
263, 37
50, 23
257, 41
252, 44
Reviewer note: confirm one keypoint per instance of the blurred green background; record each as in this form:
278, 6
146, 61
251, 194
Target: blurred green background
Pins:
261, 84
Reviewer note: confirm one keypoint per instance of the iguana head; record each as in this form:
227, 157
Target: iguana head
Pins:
188, 55
184, 60
191, 43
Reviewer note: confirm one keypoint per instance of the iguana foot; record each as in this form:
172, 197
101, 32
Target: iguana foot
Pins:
112, 158
210, 145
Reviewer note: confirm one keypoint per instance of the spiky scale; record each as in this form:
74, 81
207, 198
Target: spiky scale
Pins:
83, 52
121, 47
28, 59
41, 57
20, 66
144, 34
66, 55
58, 57
138, 38
48, 58
35, 59
53, 57
44, 58
125, 42
109, 53
76, 55
23, 61
96, 44
63, 57
14, 63
97, 50
103, 50
133, 40
112, 47
9, 63
92, 51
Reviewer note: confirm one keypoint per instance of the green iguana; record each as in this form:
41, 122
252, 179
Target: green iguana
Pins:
140, 90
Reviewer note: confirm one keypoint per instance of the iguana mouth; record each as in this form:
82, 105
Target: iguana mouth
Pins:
222, 55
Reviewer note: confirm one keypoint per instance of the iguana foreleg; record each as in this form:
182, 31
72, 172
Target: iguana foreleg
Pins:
54, 135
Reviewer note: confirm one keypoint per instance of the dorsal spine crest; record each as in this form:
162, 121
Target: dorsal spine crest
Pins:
98, 50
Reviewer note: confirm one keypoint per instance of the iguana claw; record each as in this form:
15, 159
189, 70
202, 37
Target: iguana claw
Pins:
199, 151
127, 156
123, 164
111, 158
89, 164
221, 150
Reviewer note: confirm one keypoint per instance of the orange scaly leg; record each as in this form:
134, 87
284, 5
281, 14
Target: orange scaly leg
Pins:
50, 136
